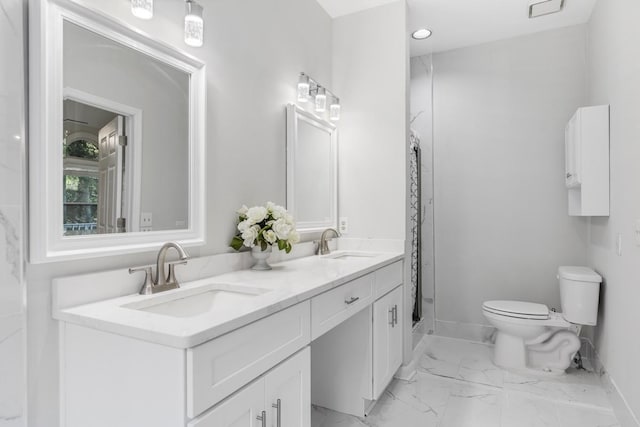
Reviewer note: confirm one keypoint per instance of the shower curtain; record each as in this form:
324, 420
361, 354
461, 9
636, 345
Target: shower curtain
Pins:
416, 222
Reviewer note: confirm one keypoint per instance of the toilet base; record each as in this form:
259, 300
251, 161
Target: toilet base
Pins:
549, 357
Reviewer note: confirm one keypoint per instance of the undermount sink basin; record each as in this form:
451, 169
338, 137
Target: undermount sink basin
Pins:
351, 255
206, 300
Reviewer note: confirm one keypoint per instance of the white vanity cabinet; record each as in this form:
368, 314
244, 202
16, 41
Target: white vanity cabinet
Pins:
111, 380
587, 161
387, 339
279, 398
343, 344
354, 361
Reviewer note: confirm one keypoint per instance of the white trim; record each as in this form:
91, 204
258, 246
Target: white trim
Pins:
133, 150
47, 243
294, 114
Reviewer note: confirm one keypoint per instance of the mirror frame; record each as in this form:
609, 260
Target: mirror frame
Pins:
46, 94
294, 115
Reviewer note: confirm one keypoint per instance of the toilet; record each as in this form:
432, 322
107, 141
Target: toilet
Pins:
531, 338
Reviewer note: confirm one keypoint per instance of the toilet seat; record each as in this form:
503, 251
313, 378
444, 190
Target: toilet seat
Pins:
517, 309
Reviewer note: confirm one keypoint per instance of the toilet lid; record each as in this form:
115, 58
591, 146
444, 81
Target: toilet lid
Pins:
520, 309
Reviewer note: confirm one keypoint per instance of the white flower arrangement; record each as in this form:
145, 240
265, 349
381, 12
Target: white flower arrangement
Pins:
265, 226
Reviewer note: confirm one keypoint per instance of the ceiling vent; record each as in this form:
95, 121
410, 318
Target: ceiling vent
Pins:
545, 7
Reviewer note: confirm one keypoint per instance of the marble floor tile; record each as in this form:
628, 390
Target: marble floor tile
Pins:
523, 410
420, 402
472, 405
457, 385
576, 416
575, 387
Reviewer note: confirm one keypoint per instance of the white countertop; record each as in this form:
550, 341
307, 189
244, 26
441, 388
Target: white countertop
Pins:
289, 283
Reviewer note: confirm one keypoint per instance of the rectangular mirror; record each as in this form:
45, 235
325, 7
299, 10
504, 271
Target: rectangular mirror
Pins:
312, 170
117, 138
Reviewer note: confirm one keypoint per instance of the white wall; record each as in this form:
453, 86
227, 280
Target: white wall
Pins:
370, 75
12, 196
502, 227
614, 78
104, 68
254, 51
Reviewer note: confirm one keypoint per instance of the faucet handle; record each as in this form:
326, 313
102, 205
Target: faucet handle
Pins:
147, 287
172, 271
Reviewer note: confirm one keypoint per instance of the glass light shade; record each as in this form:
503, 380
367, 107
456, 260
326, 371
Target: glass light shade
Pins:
321, 100
193, 25
303, 88
334, 111
142, 9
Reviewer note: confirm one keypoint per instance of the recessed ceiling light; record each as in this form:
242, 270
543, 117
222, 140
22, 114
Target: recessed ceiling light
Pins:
544, 7
421, 34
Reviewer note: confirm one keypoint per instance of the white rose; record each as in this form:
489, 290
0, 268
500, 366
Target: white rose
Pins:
270, 236
282, 229
256, 214
277, 211
243, 225
250, 235
294, 237
243, 210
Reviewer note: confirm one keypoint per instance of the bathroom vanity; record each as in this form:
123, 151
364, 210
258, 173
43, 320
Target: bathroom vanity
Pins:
238, 349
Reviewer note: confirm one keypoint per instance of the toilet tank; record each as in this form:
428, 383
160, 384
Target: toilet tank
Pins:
579, 294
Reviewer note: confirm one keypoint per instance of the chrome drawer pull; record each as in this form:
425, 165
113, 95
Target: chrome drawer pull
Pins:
351, 300
263, 417
392, 323
278, 406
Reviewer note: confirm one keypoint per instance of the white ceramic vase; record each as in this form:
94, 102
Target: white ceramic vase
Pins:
261, 258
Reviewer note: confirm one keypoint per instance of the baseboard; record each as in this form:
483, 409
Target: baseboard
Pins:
465, 331
408, 371
621, 408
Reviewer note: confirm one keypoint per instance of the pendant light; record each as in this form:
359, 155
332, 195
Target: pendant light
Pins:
193, 24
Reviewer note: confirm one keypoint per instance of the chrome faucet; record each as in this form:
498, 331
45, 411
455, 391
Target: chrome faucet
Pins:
323, 246
162, 282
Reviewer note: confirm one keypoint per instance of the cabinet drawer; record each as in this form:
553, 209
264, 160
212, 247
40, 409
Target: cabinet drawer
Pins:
219, 367
388, 278
335, 306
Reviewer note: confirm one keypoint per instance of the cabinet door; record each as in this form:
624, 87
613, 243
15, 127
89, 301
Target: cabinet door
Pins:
288, 392
387, 339
242, 409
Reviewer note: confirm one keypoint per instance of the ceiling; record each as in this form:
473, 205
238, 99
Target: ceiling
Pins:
337, 8
460, 23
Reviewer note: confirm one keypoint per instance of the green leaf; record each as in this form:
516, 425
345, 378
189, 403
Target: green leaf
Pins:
263, 245
236, 243
288, 247
282, 244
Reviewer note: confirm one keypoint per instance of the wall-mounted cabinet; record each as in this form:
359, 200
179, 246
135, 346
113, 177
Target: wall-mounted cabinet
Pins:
587, 161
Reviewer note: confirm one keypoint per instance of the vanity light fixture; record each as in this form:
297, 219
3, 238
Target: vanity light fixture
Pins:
334, 110
142, 9
193, 24
303, 88
309, 89
193, 19
421, 34
321, 100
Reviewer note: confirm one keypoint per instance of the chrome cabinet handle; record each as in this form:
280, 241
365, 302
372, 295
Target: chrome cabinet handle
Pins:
263, 417
392, 317
395, 315
351, 300
278, 406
